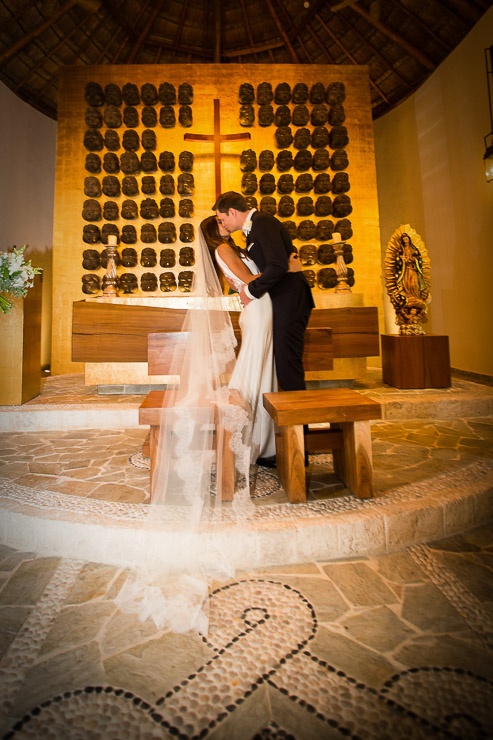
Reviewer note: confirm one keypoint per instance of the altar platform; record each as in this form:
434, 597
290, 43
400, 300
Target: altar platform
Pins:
74, 483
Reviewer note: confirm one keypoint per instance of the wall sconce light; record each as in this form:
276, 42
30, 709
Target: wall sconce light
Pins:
488, 139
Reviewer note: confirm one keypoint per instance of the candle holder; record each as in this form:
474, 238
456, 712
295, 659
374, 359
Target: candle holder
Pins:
341, 268
110, 280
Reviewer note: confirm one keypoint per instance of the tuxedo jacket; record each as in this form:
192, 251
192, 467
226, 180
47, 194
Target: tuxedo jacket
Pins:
269, 245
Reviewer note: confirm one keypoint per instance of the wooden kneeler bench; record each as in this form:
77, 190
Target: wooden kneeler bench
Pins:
349, 436
151, 413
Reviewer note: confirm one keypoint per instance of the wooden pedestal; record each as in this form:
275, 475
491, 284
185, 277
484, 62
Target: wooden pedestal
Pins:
421, 361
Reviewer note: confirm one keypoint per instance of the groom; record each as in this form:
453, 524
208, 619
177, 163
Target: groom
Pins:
270, 245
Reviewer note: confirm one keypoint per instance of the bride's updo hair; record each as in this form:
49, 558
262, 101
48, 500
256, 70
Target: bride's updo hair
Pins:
213, 238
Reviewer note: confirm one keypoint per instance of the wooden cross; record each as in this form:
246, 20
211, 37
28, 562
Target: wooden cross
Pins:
217, 137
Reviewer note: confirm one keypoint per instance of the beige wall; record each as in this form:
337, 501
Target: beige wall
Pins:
27, 185
429, 157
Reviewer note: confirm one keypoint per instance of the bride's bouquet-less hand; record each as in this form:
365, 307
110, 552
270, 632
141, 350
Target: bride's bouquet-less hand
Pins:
16, 276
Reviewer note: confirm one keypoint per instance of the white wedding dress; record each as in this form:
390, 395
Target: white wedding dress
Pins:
254, 372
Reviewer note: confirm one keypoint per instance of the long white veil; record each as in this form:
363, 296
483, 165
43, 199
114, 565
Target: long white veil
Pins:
184, 541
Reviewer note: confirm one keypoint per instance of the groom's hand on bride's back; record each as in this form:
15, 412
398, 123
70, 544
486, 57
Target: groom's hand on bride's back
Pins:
294, 263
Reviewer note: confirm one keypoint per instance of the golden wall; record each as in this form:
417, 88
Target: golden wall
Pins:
209, 82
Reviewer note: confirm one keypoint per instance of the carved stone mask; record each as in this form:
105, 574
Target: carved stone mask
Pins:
317, 93
187, 235
291, 228
92, 187
323, 206
266, 160
284, 161
128, 282
93, 94
91, 234
264, 93
185, 94
111, 163
285, 184
186, 184
148, 282
91, 210
338, 137
112, 140
130, 94
347, 253
306, 230
129, 209
286, 206
248, 160
149, 139
282, 116
302, 138
337, 115
130, 163
129, 255
320, 137
267, 184
265, 115
304, 183
251, 201
343, 227
105, 232
326, 254
149, 208
110, 211
268, 205
300, 93
167, 282
308, 255
130, 117
90, 284
129, 236
310, 277
167, 93
303, 160
167, 208
130, 141
104, 258
340, 183
130, 186
339, 160
148, 162
148, 234
93, 163
247, 115
93, 140
321, 160
301, 115
185, 208
342, 206
282, 95
148, 257
167, 185
187, 255
148, 93
94, 118
112, 116
246, 93
185, 116
148, 185
167, 233
185, 161
319, 115
336, 93
305, 206
167, 117
249, 183
167, 161
185, 281
284, 137
113, 94
325, 229
148, 116
322, 183
91, 259
326, 278
167, 258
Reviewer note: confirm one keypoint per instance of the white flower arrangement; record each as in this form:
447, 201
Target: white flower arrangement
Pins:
16, 276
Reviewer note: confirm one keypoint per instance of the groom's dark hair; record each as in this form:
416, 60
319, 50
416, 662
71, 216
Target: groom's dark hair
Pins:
230, 200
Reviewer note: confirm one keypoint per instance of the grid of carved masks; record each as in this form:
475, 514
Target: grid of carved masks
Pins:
137, 190
303, 179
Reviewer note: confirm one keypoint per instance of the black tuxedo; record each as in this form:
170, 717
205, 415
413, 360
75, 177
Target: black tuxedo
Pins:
270, 245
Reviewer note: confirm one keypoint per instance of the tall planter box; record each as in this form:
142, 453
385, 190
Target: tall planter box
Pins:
20, 349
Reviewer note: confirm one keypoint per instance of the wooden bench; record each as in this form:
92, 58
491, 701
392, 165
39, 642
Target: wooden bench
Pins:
153, 413
348, 414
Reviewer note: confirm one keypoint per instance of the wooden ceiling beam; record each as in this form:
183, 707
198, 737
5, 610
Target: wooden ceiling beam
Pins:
246, 50
14, 18
155, 41
322, 46
307, 18
218, 31
130, 35
294, 38
423, 26
181, 23
145, 32
248, 28
412, 50
35, 32
281, 30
